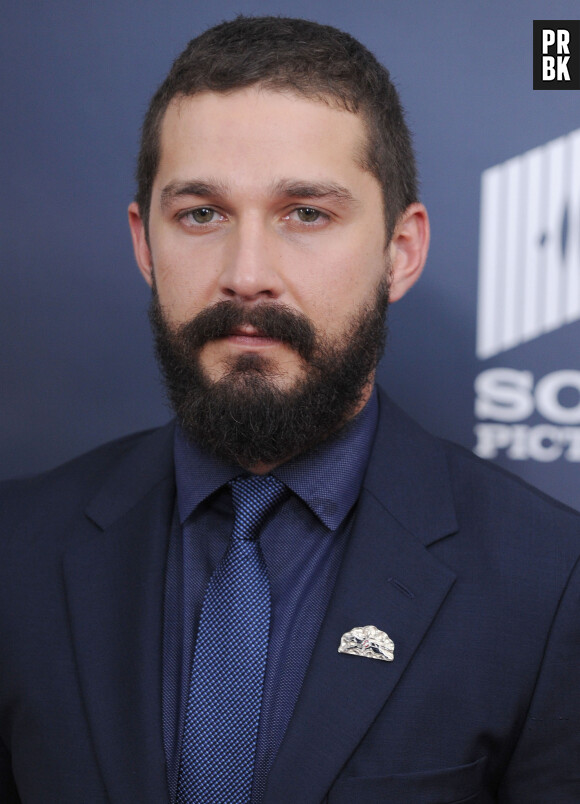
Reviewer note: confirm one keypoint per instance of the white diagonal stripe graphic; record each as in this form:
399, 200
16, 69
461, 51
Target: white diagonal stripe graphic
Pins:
529, 254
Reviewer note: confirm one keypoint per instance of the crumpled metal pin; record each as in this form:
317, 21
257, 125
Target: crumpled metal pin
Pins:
368, 641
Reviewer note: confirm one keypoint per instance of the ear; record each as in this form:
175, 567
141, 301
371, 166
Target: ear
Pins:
140, 244
408, 250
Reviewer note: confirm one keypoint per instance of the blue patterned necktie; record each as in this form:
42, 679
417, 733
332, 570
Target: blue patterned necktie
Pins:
225, 694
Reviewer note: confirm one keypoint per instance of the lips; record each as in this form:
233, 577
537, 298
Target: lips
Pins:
248, 335
260, 325
247, 330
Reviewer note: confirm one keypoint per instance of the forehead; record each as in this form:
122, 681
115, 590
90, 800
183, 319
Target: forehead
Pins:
253, 133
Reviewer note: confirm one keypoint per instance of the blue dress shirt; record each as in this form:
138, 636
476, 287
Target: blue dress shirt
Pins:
302, 546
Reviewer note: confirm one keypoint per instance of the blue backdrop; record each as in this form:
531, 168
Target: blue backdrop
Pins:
76, 359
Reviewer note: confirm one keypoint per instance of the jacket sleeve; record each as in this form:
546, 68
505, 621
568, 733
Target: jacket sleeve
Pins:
8, 792
545, 766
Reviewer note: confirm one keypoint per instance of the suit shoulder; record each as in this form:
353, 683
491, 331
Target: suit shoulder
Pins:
69, 485
465, 464
432, 486
520, 515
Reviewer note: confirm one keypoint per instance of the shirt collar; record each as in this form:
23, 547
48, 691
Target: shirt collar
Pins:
327, 478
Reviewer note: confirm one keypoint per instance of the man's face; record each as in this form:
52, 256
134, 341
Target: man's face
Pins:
260, 199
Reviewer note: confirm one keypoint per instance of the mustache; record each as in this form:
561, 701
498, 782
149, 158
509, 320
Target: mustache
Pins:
273, 320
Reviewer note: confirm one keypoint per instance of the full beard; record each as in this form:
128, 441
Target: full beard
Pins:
245, 416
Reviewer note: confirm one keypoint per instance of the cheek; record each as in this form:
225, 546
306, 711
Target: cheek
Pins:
184, 283
337, 294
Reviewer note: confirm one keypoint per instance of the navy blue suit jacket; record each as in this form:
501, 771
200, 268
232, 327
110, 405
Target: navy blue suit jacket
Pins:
471, 573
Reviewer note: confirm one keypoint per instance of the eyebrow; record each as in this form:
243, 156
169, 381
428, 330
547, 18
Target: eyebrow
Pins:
176, 189
285, 188
299, 189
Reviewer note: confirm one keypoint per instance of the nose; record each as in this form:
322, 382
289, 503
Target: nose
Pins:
251, 265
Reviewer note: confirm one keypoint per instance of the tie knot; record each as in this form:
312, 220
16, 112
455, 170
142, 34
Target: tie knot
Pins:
253, 498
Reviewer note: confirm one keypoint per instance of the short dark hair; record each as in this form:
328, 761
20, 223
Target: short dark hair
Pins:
288, 54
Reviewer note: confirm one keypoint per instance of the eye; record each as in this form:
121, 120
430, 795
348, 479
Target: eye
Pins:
200, 216
304, 217
308, 214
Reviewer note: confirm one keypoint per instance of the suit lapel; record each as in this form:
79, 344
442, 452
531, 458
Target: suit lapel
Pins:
114, 579
388, 579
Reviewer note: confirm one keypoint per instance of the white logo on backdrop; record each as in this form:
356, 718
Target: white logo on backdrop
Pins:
529, 284
529, 261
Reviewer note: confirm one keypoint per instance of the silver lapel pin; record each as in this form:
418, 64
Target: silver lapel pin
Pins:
368, 641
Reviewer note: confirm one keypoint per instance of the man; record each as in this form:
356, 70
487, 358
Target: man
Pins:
276, 213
